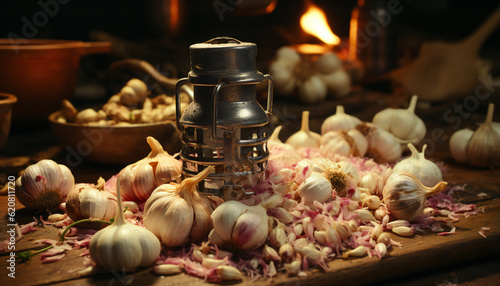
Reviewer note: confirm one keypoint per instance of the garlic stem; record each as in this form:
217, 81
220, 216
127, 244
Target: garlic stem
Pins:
63, 234
489, 115
414, 152
276, 133
100, 184
439, 187
119, 218
340, 109
190, 183
155, 146
305, 121
413, 104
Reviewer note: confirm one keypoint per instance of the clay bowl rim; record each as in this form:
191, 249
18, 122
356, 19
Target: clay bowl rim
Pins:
39, 44
53, 119
7, 98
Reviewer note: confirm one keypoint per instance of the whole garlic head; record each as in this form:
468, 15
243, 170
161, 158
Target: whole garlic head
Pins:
426, 171
340, 121
315, 188
344, 143
480, 148
138, 180
90, 201
404, 195
304, 138
177, 213
402, 123
44, 185
383, 147
123, 246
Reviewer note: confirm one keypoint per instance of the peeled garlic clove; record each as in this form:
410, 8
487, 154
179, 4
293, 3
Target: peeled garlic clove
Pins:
339, 121
228, 273
458, 145
304, 138
167, 269
380, 250
359, 251
384, 238
483, 149
372, 202
427, 172
315, 188
364, 215
403, 230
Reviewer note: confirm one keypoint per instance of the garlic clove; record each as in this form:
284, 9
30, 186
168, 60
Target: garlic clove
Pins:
304, 138
380, 250
339, 121
359, 251
403, 230
229, 273
167, 269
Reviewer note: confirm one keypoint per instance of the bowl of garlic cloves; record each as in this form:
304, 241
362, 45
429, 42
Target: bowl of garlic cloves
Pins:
116, 132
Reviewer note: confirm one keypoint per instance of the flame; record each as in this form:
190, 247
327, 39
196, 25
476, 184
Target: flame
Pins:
314, 22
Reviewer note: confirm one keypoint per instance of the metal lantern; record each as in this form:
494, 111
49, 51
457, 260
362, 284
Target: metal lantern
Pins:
224, 126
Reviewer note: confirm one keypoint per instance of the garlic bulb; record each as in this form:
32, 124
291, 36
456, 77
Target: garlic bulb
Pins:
402, 123
275, 143
383, 147
133, 93
427, 172
304, 138
338, 83
340, 121
44, 185
123, 246
239, 227
138, 180
341, 175
480, 148
90, 201
315, 188
404, 195
312, 90
344, 143
177, 213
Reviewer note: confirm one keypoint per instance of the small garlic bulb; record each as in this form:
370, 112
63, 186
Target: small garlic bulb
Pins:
133, 93
404, 195
237, 226
123, 246
344, 143
304, 138
480, 148
402, 123
90, 201
427, 172
312, 90
177, 213
138, 180
44, 185
383, 147
339, 121
315, 188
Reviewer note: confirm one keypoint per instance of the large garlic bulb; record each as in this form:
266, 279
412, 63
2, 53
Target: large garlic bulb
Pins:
427, 172
123, 246
237, 226
315, 188
304, 138
44, 185
177, 213
402, 123
138, 180
351, 143
383, 147
340, 121
90, 201
480, 148
404, 195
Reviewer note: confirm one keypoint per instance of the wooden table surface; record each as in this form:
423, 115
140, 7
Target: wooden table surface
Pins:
463, 258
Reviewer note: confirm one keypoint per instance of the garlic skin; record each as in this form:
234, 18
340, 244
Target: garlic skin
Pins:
90, 201
402, 123
177, 213
427, 172
123, 246
238, 226
44, 185
482, 148
304, 138
344, 143
138, 180
383, 147
315, 188
404, 195
340, 121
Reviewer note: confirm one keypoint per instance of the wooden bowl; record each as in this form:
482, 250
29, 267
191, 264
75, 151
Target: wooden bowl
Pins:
41, 73
112, 144
6, 103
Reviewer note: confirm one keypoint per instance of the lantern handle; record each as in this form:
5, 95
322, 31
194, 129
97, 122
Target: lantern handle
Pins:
270, 88
178, 114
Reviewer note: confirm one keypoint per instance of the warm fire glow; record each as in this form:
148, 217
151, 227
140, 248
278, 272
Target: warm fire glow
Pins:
314, 22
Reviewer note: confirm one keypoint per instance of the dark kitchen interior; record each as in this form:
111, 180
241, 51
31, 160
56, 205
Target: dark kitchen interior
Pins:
151, 31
